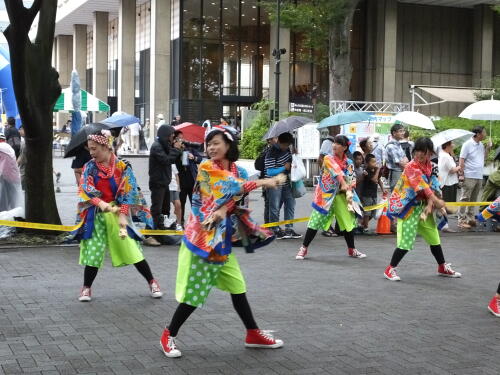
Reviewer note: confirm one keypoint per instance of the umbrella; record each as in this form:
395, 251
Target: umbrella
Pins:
80, 138
415, 119
121, 119
457, 135
286, 126
192, 132
343, 118
488, 110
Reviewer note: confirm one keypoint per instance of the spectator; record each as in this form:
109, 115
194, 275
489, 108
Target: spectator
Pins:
134, 130
164, 152
358, 160
10, 179
176, 121
279, 160
161, 120
81, 158
12, 136
223, 121
472, 158
396, 159
259, 165
21, 160
448, 172
187, 173
174, 196
368, 189
378, 150
407, 145
366, 146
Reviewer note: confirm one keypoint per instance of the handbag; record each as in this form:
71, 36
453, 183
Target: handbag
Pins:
298, 171
298, 189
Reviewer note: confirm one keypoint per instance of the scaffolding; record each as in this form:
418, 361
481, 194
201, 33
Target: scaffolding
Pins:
385, 107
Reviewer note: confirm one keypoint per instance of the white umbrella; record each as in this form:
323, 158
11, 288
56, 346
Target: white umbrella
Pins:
415, 119
457, 135
488, 110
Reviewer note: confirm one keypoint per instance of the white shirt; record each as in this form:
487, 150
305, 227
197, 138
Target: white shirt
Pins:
134, 128
326, 147
173, 183
473, 153
445, 164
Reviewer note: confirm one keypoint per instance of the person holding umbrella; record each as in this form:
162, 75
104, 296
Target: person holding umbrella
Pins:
109, 197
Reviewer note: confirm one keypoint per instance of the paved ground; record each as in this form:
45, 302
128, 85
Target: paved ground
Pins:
336, 315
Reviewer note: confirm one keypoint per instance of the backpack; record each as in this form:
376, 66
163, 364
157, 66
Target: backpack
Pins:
259, 163
14, 142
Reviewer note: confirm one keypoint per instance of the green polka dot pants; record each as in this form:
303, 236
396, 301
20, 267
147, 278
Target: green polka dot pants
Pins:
409, 227
196, 277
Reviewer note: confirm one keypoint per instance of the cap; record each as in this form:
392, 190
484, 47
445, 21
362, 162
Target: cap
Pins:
160, 116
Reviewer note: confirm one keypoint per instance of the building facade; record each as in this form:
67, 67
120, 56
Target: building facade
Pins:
204, 59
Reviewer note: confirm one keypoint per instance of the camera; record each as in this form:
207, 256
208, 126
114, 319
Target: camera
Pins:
194, 145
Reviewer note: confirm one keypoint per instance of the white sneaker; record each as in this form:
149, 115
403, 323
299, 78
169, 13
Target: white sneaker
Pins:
155, 289
354, 253
179, 228
85, 295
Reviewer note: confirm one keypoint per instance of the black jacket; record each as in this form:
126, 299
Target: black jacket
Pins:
161, 158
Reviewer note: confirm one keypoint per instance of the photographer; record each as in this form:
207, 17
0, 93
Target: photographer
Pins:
188, 169
164, 152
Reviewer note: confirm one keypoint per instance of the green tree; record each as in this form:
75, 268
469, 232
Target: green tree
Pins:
37, 88
326, 28
484, 95
496, 8
251, 143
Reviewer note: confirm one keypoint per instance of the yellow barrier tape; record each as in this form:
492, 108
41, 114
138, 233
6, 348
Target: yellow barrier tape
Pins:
150, 232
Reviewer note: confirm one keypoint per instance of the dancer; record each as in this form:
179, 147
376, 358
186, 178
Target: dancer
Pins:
492, 211
205, 256
335, 196
412, 202
109, 196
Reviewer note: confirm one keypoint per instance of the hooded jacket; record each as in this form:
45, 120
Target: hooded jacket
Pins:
161, 158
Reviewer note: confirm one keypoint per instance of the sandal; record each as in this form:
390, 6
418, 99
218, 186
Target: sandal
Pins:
329, 233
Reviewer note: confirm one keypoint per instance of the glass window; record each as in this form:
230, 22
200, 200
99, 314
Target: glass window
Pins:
191, 68
211, 19
230, 68
230, 19
249, 66
143, 27
90, 50
249, 21
211, 68
191, 18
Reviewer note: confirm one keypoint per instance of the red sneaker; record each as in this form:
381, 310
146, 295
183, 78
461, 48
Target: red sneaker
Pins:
446, 271
257, 338
168, 345
302, 253
85, 295
354, 253
390, 273
494, 306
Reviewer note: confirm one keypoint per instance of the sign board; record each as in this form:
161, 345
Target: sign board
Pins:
379, 125
301, 108
308, 141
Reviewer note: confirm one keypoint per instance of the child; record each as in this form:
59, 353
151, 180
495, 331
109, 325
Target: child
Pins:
174, 197
369, 187
357, 158
417, 192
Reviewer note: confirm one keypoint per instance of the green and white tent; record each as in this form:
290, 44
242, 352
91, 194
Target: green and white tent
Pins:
89, 102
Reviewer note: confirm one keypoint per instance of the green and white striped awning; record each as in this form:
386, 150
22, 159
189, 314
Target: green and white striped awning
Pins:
89, 102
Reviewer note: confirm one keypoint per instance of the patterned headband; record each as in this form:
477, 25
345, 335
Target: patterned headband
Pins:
105, 138
226, 132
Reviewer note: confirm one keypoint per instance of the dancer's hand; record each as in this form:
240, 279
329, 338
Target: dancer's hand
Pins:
216, 216
438, 203
122, 221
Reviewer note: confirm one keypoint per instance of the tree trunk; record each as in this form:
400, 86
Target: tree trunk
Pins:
340, 67
37, 88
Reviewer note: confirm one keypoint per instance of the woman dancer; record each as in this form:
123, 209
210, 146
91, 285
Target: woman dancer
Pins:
109, 196
205, 256
335, 196
412, 202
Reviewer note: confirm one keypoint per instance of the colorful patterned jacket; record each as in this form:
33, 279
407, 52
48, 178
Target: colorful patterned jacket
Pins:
214, 188
124, 192
328, 186
417, 183
492, 211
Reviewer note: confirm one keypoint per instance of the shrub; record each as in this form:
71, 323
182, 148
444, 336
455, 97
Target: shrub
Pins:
251, 143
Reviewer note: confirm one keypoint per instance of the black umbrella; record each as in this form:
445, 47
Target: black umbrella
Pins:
287, 125
79, 140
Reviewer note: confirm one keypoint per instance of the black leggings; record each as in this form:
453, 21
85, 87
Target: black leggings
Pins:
90, 273
240, 304
311, 233
498, 289
436, 250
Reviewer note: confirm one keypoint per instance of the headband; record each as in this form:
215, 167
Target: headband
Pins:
105, 138
223, 131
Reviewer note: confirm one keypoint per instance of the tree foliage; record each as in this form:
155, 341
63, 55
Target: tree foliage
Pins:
484, 95
252, 144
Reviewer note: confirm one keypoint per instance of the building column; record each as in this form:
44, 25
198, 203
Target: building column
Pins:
482, 60
100, 59
80, 53
126, 56
284, 42
64, 65
387, 24
159, 95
